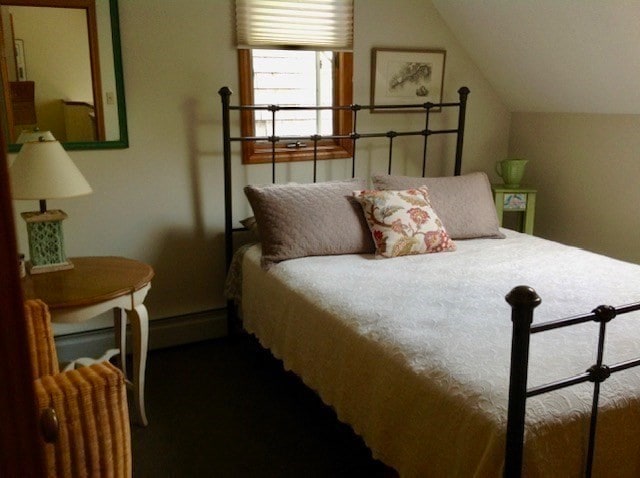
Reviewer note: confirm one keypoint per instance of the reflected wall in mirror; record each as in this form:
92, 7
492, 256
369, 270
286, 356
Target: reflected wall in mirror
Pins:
61, 71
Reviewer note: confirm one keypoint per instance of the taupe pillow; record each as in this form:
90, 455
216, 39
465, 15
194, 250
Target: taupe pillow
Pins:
298, 220
252, 226
464, 203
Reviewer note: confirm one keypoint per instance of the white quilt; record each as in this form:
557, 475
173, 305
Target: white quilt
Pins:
413, 352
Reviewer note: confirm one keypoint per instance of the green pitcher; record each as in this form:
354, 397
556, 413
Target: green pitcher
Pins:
511, 171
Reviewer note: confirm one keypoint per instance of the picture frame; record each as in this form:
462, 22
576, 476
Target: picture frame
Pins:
406, 77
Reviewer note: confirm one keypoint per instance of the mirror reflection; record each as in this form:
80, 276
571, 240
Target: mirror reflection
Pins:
61, 72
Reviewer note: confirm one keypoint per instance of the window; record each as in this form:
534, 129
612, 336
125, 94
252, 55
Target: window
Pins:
296, 77
293, 77
313, 65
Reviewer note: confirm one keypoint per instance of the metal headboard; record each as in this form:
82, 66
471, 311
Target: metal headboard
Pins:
355, 136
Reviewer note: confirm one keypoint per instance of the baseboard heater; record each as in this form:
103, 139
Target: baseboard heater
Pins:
163, 333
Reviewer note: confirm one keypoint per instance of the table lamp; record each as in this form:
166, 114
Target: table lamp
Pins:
27, 135
43, 170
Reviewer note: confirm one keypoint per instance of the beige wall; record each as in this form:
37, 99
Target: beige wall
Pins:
417, 24
160, 200
587, 171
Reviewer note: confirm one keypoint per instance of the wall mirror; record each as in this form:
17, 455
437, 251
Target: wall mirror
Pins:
61, 69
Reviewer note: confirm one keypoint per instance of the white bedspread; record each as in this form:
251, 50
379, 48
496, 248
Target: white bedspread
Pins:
413, 352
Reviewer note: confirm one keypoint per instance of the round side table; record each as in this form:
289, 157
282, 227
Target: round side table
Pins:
96, 285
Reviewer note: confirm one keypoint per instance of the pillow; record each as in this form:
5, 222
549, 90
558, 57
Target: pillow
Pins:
464, 203
251, 225
252, 234
298, 220
403, 222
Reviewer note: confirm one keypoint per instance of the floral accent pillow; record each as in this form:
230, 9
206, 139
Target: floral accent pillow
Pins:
403, 222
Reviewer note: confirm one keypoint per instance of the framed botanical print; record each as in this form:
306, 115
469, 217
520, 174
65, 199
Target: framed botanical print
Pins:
406, 77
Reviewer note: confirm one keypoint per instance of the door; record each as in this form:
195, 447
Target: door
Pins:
21, 453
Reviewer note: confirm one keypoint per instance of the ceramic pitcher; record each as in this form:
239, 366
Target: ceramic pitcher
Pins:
511, 171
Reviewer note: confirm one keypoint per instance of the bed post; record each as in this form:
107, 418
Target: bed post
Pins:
225, 95
463, 92
522, 300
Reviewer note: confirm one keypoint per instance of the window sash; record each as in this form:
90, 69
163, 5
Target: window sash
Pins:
309, 24
293, 77
261, 152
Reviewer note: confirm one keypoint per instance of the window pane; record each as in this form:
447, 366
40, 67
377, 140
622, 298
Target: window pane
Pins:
294, 78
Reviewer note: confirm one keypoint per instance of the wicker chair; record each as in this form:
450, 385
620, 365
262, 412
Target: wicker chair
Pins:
83, 412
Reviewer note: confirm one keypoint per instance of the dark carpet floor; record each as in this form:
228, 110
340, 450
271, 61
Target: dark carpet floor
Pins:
227, 408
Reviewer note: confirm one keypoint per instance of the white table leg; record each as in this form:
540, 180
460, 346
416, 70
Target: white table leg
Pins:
87, 361
139, 319
120, 332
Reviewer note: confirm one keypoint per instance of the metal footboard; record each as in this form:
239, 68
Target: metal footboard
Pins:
523, 301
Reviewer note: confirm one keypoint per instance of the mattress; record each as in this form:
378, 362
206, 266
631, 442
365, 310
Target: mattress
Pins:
413, 352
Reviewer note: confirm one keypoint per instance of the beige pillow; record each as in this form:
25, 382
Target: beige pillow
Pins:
464, 203
403, 222
298, 220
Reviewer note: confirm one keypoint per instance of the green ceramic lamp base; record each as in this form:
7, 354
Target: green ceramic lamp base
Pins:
46, 242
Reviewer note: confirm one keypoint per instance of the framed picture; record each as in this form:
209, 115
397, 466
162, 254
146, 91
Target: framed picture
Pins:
515, 202
406, 77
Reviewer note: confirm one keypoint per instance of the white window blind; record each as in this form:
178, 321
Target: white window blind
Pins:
309, 24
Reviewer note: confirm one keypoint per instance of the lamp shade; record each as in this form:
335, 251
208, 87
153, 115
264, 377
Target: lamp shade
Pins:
43, 170
27, 135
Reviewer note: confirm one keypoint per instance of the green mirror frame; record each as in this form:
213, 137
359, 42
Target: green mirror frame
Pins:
123, 142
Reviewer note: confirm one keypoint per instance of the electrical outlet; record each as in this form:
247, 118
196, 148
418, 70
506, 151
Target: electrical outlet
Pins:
111, 98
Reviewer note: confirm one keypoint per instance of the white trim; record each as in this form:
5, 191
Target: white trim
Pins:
163, 333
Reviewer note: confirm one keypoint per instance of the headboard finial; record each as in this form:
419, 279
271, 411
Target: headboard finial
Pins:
225, 91
464, 91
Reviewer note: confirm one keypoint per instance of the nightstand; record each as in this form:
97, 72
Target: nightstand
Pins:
521, 199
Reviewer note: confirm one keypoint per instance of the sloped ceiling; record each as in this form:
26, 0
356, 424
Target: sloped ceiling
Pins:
573, 56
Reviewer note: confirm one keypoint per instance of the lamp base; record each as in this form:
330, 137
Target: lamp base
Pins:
49, 267
46, 242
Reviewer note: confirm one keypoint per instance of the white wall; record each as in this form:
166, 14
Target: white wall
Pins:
160, 200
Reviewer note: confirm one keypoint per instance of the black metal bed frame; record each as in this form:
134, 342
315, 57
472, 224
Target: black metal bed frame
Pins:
523, 299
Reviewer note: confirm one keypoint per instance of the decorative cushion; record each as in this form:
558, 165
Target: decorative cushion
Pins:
403, 222
464, 203
298, 220
251, 225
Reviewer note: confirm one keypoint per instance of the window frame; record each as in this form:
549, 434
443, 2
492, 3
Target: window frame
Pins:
260, 153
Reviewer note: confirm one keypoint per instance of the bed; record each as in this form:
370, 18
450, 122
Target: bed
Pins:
417, 353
